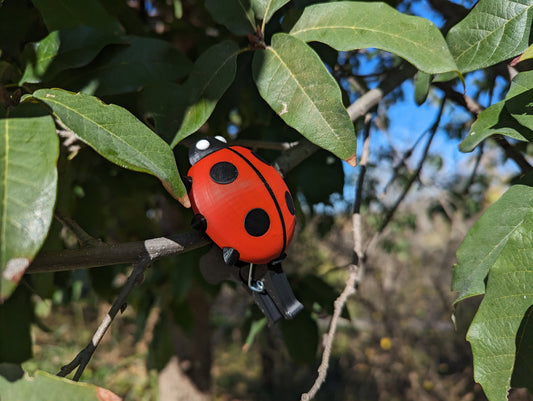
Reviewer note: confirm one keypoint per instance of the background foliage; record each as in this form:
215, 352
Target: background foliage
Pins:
94, 94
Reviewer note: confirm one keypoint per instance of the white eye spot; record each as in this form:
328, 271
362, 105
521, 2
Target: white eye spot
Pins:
202, 144
221, 138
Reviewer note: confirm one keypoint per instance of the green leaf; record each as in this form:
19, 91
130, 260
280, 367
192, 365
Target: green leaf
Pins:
349, 25
488, 238
15, 319
66, 14
211, 75
46, 387
527, 55
265, 9
422, 85
236, 15
523, 367
142, 62
29, 149
494, 31
511, 117
60, 50
506, 252
301, 337
295, 83
117, 135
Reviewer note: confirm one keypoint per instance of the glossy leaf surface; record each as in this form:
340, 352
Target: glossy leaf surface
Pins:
116, 134
295, 83
494, 31
349, 25
29, 149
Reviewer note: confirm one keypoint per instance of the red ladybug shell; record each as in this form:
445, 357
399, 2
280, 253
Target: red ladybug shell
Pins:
245, 202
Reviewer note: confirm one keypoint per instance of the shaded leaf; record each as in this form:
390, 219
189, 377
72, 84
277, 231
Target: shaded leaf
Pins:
523, 367
66, 14
236, 15
301, 337
349, 25
295, 83
15, 320
264, 9
161, 347
494, 31
142, 62
69, 48
46, 387
422, 85
505, 117
212, 74
29, 149
117, 135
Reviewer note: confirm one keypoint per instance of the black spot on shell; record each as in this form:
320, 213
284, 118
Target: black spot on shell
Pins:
256, 222
223, 173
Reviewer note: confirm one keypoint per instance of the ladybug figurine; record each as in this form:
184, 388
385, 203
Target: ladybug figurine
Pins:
241, 202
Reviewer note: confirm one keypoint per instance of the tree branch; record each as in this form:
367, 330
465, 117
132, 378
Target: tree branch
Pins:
113, 254
84, 356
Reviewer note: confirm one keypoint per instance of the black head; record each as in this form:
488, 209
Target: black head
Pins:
204, 147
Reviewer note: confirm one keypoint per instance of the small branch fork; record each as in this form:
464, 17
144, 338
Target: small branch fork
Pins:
84, 356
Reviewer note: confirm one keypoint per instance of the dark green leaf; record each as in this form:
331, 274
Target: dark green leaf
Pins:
295, 83
29, 149
117, 135
236, 15
422, 85
494, 31
523, 367
142, 62
264, 9
212, 74
69, 48
301, 337
349, 25
162, 346
66, 14
505, 117
46, 387
498, 249
15, 320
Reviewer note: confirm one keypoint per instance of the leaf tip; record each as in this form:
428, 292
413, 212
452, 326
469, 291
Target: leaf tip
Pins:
106, 395
352, 161
185, 201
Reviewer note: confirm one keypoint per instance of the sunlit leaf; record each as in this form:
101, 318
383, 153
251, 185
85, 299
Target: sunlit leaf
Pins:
29, 149
512, 116
236, 15
66, 14
69, 48
349, 25
116, 134
46, 387
497, 250
211, 75
494, 31
264, 9
295, 83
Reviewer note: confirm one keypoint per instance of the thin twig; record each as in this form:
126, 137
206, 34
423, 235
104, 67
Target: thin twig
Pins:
84, 356
81, 235
355, 274
390, 213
